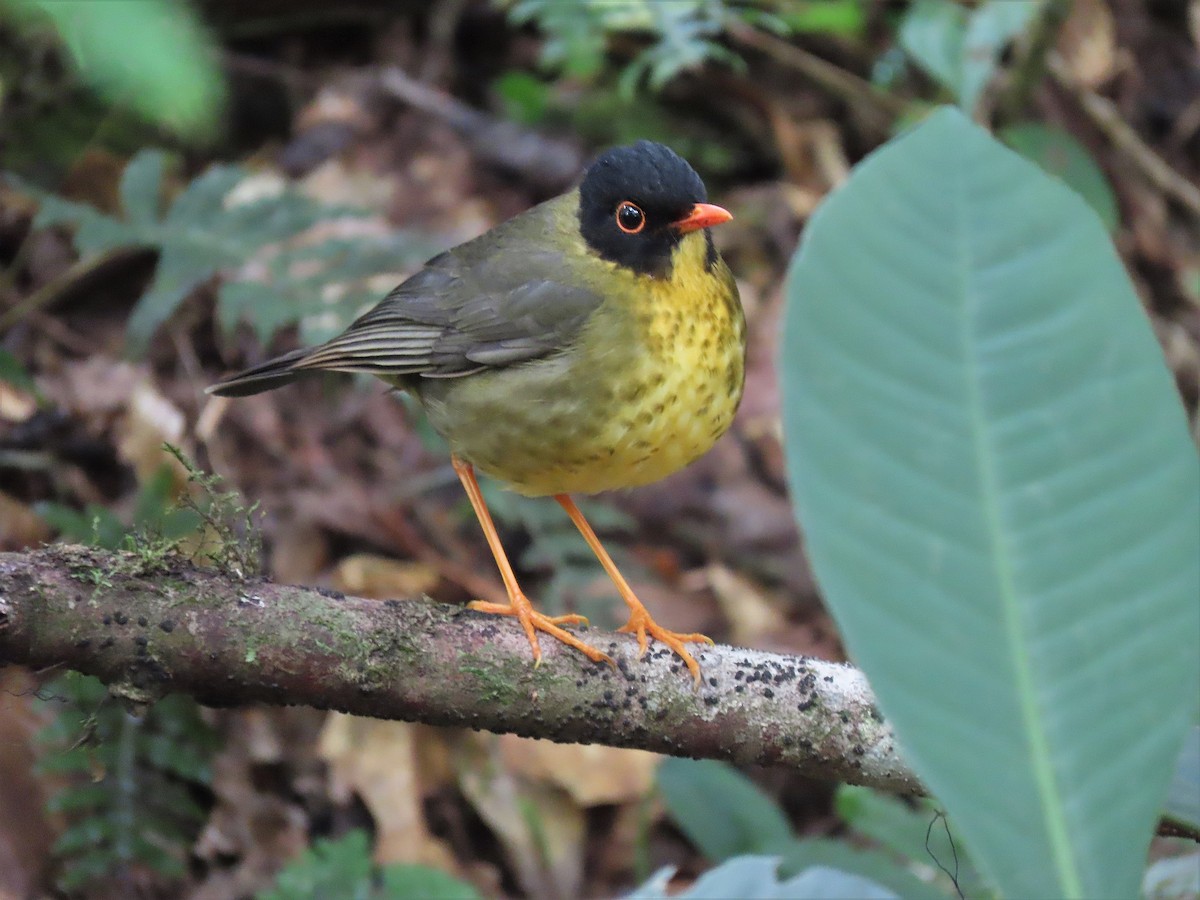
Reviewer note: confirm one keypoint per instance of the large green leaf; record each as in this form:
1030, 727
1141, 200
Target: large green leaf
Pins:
1183, 797
757, 878
153, 56
914, 832
1001, 500
870, 863
1061, 155
722, 812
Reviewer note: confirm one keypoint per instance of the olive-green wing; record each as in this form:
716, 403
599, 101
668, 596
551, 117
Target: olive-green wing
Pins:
452, 319
462, 313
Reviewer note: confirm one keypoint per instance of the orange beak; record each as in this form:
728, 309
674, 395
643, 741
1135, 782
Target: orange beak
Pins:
703, 215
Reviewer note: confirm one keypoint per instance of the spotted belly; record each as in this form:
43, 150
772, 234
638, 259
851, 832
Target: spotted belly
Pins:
645, 390
542, 431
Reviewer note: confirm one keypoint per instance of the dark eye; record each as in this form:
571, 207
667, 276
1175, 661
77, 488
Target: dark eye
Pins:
630, 218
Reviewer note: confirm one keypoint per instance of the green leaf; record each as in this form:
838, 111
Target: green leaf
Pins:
12, 372
323, 286
685, 35
341, 869
74, 799
814, 882
526, 97
413, 882
194, 248
1058, 153
1001, 500
84, 834
842, 17
873, 864
87, 868
960, 48
96, 525
141, 188
992, 25
722, 812
335, 869
915, 833
932, 34
151, 55
212, 229
95, 232
574, 32
127, 799
757, 878
203, 233
888, 821
1183, 796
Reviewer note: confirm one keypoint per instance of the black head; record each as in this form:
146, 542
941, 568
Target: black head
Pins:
630, 200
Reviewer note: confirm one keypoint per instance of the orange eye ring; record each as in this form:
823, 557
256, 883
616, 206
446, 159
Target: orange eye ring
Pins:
630, 218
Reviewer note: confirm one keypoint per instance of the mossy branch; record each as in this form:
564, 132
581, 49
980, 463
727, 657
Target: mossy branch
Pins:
172, 627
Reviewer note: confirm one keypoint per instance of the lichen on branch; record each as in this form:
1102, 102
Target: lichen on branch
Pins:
176, 627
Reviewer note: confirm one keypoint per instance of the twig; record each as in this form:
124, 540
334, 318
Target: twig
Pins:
53, 291
547, 161
877, 105
1105, 116
1032, 52
437, 53
229, 642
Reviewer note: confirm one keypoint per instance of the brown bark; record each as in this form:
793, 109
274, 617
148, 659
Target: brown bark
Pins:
172, 627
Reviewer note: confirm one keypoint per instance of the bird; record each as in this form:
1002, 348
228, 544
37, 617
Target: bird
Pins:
594, 342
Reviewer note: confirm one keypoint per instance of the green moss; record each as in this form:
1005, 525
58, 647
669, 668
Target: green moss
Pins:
497, 681
252, 645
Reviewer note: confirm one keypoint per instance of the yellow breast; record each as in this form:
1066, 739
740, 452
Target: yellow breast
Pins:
652, 383
680, 394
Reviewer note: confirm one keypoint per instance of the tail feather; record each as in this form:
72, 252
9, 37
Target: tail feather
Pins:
263, 377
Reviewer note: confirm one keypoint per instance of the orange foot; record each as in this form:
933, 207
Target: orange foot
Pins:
643, 626
533, 622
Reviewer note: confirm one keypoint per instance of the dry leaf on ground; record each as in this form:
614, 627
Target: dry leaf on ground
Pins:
20, 526
539, 825
1088, 42
593, 775
380, 577
380, 762
25, 832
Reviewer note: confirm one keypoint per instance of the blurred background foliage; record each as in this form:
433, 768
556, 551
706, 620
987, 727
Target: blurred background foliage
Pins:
188, 186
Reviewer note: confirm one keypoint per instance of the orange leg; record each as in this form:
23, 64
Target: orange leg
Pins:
518, 604
640, 622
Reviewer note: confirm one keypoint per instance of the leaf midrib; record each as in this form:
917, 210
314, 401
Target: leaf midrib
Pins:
1057, 829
